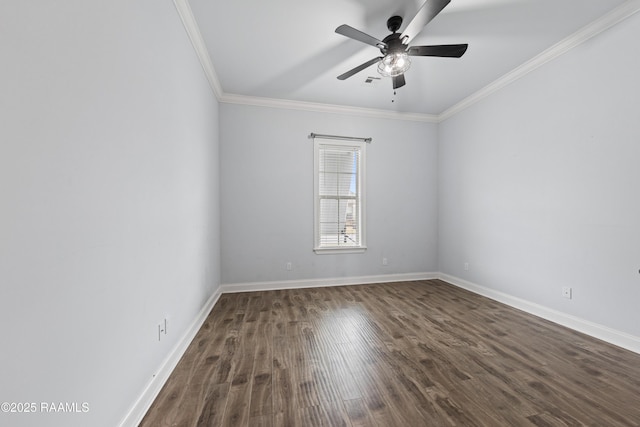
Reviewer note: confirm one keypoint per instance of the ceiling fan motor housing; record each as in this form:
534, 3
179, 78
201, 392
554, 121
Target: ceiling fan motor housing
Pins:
393, 44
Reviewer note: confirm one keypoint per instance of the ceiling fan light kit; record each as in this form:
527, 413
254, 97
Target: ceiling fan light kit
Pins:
396, 59
395, 47
394, 64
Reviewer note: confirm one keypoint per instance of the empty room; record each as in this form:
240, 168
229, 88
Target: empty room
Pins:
337, 213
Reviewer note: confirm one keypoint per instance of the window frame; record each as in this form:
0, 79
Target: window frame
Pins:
361, 146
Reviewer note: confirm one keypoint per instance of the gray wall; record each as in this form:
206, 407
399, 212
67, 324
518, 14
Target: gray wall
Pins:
110, 206
267, 195
108, 201
539, 184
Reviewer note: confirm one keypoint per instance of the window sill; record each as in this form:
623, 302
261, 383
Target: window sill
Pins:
340, 250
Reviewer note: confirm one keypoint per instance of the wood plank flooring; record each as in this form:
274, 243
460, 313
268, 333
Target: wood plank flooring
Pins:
419, 353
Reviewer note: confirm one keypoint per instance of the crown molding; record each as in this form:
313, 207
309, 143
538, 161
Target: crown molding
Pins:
622, 12
325, 108
607, 21
199, 45
195, 36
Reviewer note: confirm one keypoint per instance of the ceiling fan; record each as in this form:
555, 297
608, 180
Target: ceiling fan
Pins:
395, 47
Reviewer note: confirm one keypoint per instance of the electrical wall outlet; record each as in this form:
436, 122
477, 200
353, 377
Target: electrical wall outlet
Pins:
566, 292
385, 261
162, 329
289, 266
466, 266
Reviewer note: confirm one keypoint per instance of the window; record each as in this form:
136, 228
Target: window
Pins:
339, 196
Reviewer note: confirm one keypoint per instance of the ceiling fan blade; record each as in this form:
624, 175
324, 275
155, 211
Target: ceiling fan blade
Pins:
398, 81
358, 69
445, 50
358, 35
427, 12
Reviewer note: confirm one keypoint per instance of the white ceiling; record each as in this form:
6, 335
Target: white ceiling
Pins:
288, 50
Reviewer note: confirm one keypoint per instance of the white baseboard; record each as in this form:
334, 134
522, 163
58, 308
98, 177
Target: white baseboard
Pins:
144, 402
612, 336
318, 283
604, 333
142, 405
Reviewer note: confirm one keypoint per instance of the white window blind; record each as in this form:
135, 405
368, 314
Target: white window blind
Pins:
339, 195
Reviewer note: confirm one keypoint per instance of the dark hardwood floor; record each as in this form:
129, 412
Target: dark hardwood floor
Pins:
420, 353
